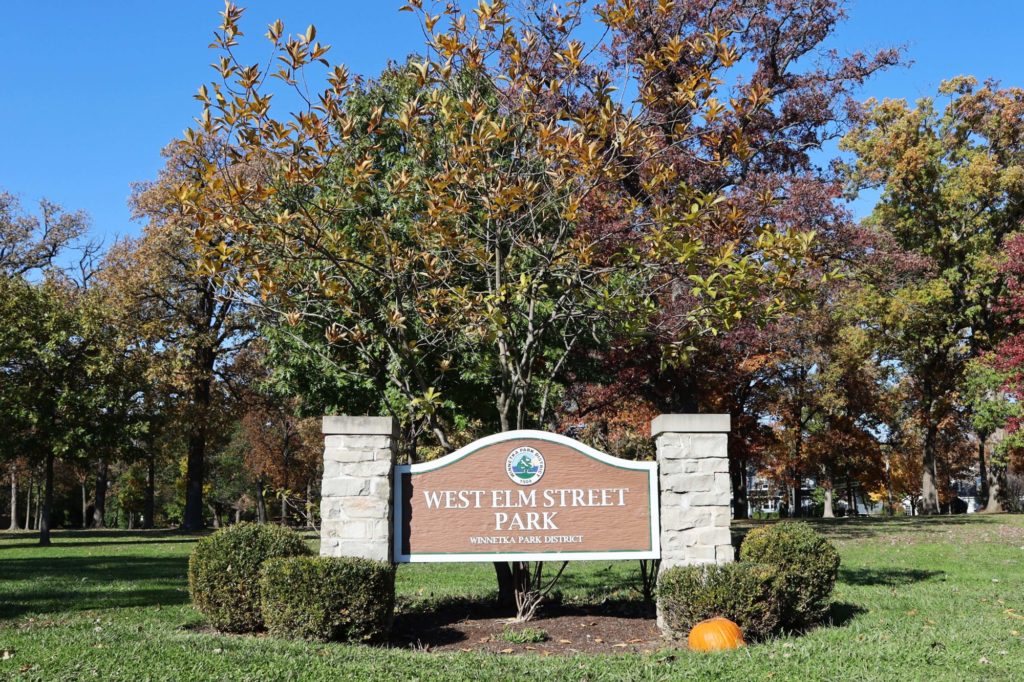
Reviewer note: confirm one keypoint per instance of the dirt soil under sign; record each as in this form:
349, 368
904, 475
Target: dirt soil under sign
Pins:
567, 629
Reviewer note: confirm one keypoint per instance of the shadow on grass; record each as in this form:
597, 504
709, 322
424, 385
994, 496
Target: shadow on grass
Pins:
58, 545
101, 533
840, 613
859, 528
98, 538
78, 534
886, 576
426, 622
39, 603
83, 583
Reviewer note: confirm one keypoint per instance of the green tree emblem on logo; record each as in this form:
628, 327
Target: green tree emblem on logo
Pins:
524, 467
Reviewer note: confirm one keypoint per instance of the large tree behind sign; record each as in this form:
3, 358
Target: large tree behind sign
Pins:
479, 214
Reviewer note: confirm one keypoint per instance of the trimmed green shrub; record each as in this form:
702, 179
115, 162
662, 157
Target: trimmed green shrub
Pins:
223, 572
748, 594
328, 598
809, 563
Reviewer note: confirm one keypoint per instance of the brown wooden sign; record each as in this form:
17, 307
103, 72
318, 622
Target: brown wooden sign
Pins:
526, 496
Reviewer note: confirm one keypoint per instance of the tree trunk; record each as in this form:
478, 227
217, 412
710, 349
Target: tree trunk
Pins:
99, 510
201, 397
85, 507
503, 570
929, 473
28, 505
982, 472
131, 519
216, 516
309, 504
261, 505
798, 495
503, 419
827, 513
740, 503
193, 517
14, 501
285, 452
506, 585
47, 510
888, 488
149, 506
995, 489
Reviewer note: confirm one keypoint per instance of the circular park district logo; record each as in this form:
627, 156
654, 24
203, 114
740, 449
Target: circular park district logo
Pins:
524, 466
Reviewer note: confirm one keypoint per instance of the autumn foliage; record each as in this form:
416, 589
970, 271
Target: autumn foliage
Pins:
480, 214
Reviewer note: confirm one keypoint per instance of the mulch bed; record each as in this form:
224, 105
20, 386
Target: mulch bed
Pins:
570, 629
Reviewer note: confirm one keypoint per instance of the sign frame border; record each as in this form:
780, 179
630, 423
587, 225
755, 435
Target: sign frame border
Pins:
561, 555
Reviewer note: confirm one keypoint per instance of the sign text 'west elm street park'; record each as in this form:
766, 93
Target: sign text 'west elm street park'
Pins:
528, 496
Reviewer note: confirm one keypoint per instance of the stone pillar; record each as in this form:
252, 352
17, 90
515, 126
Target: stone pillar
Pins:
693, 470
355, 502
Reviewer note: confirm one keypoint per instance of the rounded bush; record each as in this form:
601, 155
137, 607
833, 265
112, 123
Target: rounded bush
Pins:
340, 599
223, 572
809, 564
748, 594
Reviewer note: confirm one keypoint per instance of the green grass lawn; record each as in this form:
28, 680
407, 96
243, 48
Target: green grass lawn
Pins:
917, 599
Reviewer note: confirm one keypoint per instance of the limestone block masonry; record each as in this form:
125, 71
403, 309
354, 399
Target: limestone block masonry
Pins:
693, 468
355, 503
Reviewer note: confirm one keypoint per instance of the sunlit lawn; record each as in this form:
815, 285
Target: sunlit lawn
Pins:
918, 599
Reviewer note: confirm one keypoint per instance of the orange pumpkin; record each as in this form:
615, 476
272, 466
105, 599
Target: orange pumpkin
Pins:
715, 634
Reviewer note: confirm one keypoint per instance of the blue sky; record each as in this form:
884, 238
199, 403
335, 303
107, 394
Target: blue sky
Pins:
91, 91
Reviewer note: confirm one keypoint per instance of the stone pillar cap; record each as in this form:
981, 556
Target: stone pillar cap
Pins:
359, 426
690, 423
